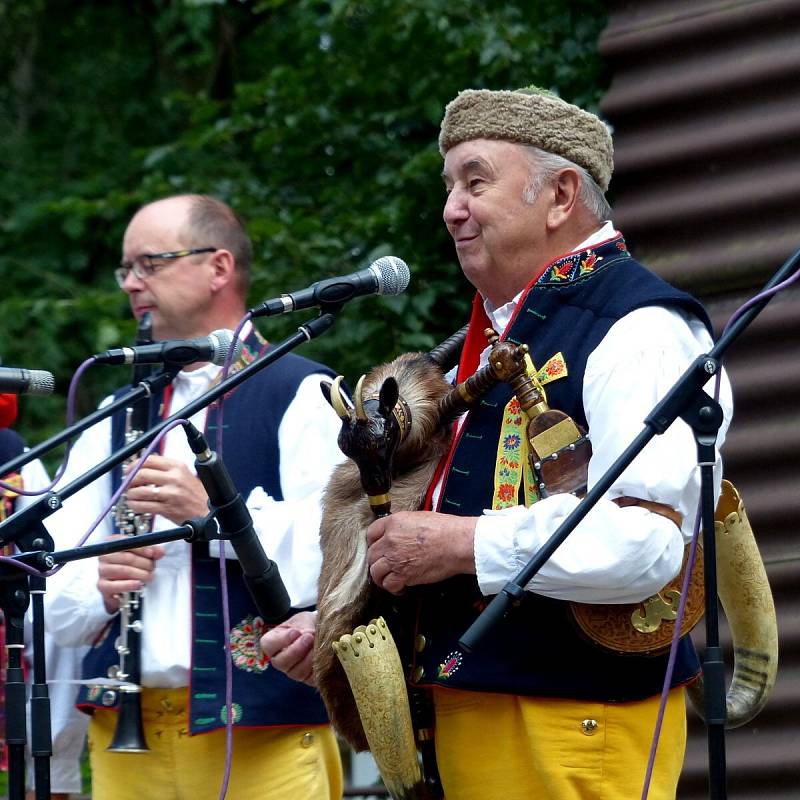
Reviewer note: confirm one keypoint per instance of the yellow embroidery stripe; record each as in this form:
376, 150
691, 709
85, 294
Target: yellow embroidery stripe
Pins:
554, 368
512, 469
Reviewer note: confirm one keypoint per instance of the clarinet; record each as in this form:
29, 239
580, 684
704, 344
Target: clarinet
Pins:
129, 732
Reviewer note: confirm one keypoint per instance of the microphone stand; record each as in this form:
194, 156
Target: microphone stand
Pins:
15, 595
49, 503
686, 399
14, 601
145, 388
26, 529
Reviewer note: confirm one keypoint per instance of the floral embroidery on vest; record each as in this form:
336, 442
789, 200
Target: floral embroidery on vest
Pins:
237, 713
245, 649
577, 265
450, 665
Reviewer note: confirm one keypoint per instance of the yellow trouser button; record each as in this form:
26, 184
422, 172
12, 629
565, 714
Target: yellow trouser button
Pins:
307, 740
589, 726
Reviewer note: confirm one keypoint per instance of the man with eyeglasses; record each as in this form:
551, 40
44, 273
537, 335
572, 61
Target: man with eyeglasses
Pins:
185, 260
146, 265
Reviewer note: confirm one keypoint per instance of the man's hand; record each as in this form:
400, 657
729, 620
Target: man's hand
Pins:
414, 547
169, 488
290, 646
126, 571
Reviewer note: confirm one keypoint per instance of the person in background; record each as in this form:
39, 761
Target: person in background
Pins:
186, 260
67, 725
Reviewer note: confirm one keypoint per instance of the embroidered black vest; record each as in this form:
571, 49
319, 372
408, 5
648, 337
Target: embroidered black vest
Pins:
262, 696
536, 650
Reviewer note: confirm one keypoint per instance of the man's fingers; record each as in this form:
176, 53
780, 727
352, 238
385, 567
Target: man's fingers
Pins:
112, 587
376, 530
124, 572
379, 570
381, 573
290, 652
130, 564
275, 640
148, 492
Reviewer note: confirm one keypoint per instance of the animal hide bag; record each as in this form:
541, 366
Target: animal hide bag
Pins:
347, 598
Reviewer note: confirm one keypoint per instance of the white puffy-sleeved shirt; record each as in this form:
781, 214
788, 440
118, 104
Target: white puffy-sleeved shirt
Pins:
288, 529
615, 555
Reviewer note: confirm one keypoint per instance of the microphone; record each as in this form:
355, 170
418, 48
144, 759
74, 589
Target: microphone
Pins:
15, 380
261, 575
387, 275
176, 352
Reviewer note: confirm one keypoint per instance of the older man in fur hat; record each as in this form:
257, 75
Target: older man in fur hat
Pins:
538, 710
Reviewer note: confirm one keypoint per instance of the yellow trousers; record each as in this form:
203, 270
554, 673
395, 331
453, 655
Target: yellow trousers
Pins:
505, 747
300, 763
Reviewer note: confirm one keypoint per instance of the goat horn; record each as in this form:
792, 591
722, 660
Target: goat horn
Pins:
745, 595
336, 398
358, 399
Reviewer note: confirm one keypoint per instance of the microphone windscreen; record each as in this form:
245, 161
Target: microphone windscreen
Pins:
40, 382
222, 341
392, 273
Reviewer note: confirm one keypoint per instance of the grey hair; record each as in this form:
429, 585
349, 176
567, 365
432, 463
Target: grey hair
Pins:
545, 165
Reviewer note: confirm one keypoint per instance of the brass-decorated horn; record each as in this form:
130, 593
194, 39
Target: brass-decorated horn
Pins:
372, 663
744, 592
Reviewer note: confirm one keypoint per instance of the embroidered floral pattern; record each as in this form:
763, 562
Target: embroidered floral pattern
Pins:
246, 651
588, 263
578, 265
237, 713
554, 369
506, 492
512, 441
450, 665
507, 473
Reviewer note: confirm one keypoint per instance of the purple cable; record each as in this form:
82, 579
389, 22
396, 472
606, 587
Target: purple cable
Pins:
105, 512
223, 579
766, 294
73, 388
673, 651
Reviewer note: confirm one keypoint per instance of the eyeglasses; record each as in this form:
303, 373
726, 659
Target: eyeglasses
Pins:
147, 265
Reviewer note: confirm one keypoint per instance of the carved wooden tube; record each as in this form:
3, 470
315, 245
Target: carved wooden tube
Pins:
506, 363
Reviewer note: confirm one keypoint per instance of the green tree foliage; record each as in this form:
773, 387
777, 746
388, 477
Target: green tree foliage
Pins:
316, 119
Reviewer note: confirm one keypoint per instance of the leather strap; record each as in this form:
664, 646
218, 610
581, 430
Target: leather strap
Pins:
657, 508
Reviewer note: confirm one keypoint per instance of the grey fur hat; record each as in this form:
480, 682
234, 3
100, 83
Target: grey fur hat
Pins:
531, 116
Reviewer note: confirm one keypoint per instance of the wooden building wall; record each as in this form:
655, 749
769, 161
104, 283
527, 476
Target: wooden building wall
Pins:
704, 100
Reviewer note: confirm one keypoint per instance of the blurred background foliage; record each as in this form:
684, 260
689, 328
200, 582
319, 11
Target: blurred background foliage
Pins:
316, 120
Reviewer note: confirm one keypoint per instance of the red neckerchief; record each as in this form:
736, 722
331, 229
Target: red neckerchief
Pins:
474, 345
